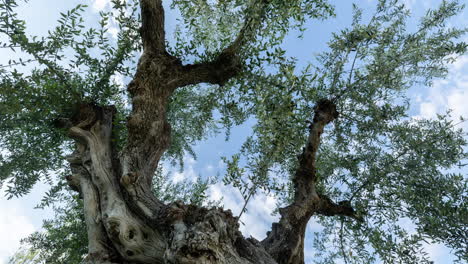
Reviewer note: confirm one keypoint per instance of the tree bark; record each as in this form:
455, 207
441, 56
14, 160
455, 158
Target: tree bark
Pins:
122, 228
126, 223
119, 232
285, 241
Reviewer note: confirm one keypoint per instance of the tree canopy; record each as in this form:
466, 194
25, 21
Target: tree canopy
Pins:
330, 139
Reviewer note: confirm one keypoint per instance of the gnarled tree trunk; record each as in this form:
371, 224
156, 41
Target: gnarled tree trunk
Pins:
126, 223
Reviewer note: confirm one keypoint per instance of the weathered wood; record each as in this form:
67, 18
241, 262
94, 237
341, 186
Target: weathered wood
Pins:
126, 222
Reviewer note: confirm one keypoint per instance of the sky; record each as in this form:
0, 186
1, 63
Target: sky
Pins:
18, 218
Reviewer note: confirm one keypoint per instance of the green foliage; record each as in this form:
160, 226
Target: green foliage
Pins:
24, 256
64, 239
191, 191
206, 27
392, 168
68, 67
190, 114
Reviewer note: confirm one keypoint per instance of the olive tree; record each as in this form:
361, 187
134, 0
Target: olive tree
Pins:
332, 140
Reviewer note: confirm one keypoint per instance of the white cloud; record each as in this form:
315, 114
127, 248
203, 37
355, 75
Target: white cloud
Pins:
258, 217
14, 225
231, 198
112, 26
460, 63
221, 164
409, 3
118, 79
99, 5
314, 226
188, 173
408, 225
438, 253
418, 4
113, 30
178, 177
209, 168
449, 93
18, 219
257, 220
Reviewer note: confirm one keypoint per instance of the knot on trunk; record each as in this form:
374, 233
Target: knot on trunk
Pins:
74, 182
325, 111
129, 179
176, 212
200, 235
226, 66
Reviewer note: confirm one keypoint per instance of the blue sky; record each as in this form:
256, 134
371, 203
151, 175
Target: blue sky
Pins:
18, 218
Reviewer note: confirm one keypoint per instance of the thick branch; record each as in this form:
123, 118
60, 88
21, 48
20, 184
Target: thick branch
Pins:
148, 129
285, 242
118, 233
99, 250
152, 26
229, 62
158, 74
105, 205
343, 208
305, 177
219, 71
209, 236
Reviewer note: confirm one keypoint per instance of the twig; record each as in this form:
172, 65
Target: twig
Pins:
345, 257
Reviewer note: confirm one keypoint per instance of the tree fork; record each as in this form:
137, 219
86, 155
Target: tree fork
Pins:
285, 241
140, 228
107, 214
118, 233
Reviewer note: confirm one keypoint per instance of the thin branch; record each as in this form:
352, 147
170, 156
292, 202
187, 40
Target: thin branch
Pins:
17, 63
246, 202
388, 163
345, 257
123, 49
338, 71
358, 48
348, 85
10, 47
370, 179
251, 25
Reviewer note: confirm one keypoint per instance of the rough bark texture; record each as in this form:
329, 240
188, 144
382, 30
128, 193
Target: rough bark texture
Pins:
124, 228
126, 223
285, 241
